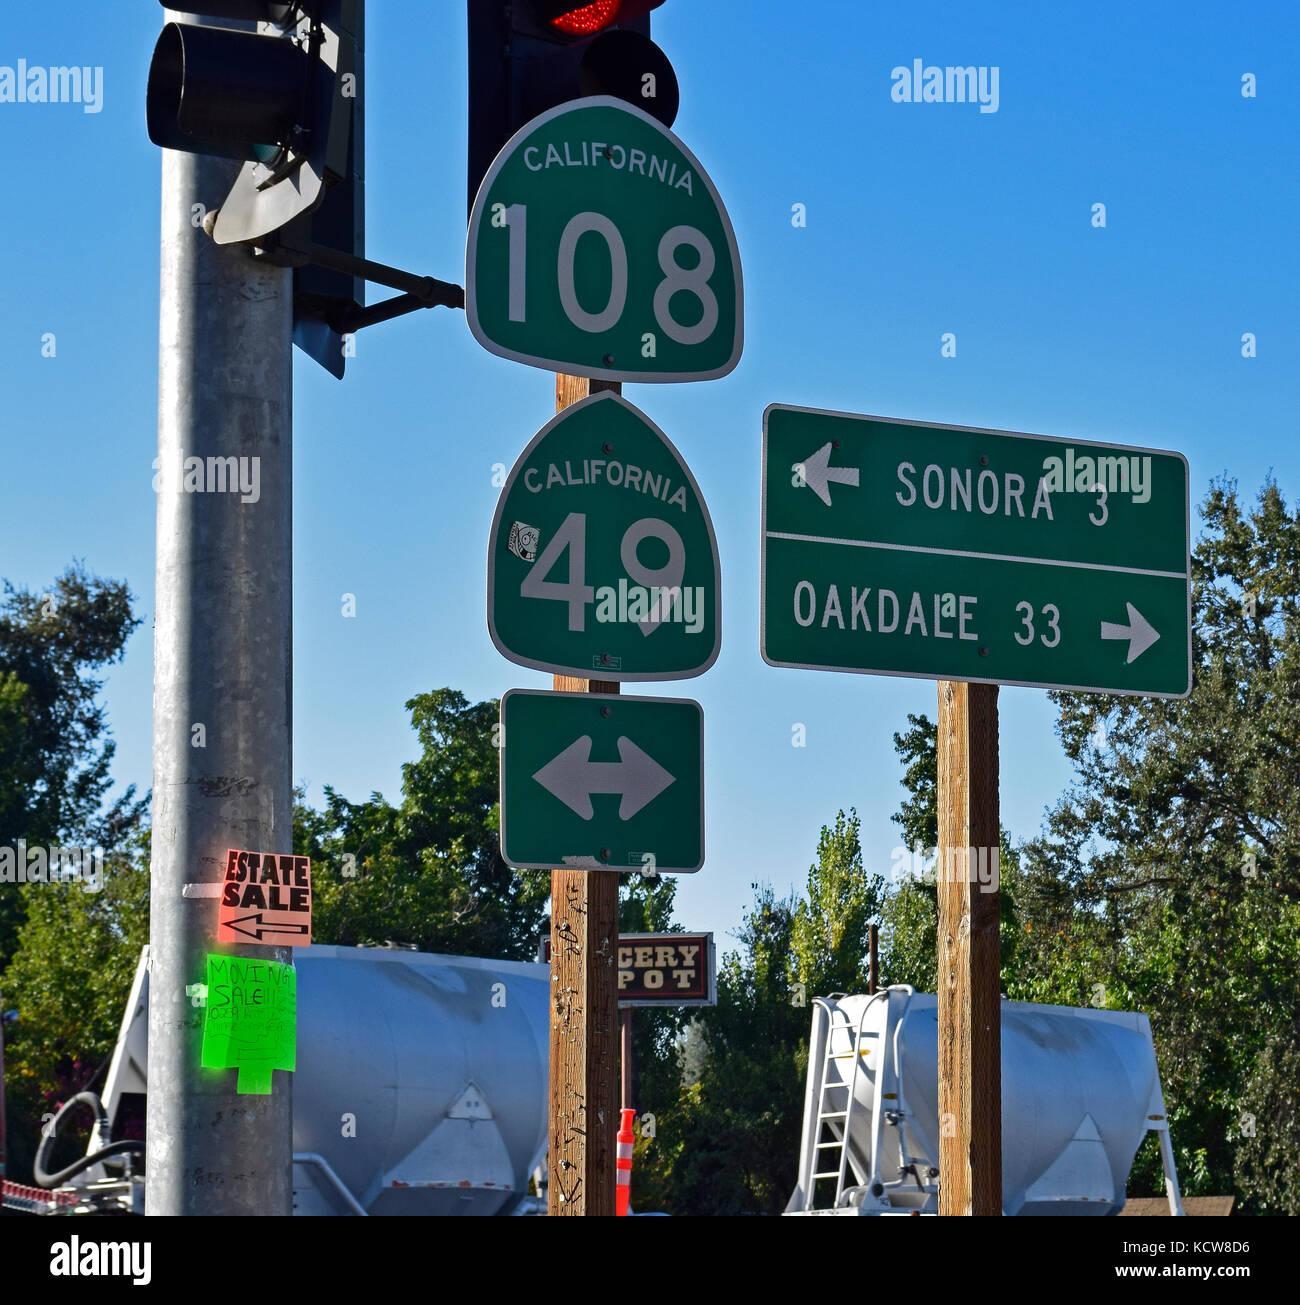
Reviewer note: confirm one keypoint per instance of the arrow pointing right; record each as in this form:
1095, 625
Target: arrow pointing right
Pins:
818, 474
573, 777
1139, 632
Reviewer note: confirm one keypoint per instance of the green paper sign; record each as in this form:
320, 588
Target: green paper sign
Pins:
598, 246
250, 1021
602, 560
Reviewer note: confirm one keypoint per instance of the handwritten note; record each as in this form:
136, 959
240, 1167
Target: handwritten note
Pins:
250, 1022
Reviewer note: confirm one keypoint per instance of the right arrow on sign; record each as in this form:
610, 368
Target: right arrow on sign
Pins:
1139, 632
573, 777
818, 474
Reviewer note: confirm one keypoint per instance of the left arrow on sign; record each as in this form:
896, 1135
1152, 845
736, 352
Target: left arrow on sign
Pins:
573, 777
817, 473
262, 928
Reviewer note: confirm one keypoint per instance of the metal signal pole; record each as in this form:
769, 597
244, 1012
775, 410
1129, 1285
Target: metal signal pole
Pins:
222, 682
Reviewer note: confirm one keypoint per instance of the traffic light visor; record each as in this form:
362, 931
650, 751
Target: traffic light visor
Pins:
221, 92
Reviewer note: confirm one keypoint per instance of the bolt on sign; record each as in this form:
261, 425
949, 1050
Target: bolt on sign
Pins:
265, 899
601, 782
949, 552
250, 1021
666, 969
599, 247
602, 558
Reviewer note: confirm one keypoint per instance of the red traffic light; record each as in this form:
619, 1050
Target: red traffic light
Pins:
588, 19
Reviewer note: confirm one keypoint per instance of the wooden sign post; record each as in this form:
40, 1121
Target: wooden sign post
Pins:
970, 1005
584, 1077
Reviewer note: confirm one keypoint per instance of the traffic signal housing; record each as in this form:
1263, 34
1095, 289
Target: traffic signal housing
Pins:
527, 56
287, 100
280, 100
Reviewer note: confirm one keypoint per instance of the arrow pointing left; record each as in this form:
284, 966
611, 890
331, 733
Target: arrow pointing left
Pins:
573, 777
262, 928
817, 473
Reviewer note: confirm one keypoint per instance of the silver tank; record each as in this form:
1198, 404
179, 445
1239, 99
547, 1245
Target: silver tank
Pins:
1080, 1091
421, 1080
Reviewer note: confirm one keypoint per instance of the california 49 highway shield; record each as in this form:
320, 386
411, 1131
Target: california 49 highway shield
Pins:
602, 561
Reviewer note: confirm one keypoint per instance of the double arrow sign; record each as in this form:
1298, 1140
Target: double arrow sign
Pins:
561, 807
951, 553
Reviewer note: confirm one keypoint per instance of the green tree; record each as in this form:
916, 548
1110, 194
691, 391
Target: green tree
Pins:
730, 1142
830, 938
69, 981
1167, 879
1179, 849
428, 871
55, 752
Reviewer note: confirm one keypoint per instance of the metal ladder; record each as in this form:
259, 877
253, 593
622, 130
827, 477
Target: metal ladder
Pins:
829, 1119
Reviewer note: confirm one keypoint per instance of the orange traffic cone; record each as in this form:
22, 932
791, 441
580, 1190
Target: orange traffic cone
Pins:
624, 1161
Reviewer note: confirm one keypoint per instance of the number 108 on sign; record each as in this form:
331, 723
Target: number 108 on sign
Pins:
599, 247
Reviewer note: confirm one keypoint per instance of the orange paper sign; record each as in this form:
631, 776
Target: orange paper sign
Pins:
265, 899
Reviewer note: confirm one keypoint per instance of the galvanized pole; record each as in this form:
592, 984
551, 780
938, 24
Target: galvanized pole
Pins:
222, 681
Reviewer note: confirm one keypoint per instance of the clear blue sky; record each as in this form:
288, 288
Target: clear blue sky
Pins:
921, 219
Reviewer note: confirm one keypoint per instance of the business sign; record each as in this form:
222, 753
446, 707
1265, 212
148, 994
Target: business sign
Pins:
598, 246
602, 562
601, 782
265, 898
946, 552
666, 969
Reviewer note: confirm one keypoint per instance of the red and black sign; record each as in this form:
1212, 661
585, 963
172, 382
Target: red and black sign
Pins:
265, 898
666, 969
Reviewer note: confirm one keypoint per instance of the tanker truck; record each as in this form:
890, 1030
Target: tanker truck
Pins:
1080, 1091
421, 1080
420, 1089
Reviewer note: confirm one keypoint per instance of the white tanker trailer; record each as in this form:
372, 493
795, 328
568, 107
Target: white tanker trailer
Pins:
1080, 1090
420, 1088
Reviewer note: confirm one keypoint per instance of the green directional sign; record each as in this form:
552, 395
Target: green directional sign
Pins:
598, 246
601, 782
944, 552
602, 560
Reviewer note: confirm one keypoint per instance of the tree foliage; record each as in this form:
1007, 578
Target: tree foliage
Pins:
728, 1127
1167, 879
55, 752
428, 871
69, 981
